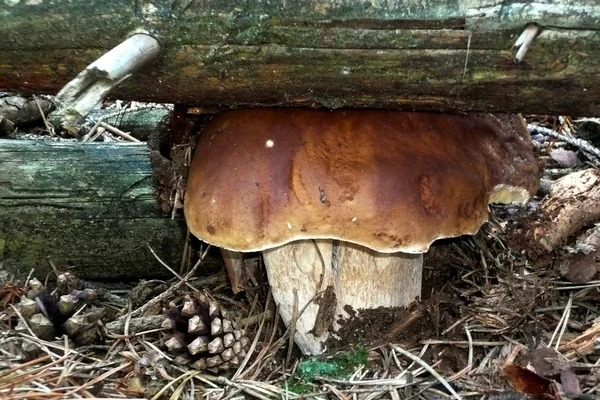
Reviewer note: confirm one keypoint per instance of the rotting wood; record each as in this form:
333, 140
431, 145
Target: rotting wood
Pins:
140, 120
572, 204
431, 55
92, 206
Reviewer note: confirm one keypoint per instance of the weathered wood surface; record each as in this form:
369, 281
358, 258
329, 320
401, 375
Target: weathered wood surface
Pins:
415, 54
88, 205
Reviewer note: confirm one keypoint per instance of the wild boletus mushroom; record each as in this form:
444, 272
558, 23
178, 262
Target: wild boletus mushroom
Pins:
342, 204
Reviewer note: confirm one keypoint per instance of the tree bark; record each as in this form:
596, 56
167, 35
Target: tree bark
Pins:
410, 54
92, 206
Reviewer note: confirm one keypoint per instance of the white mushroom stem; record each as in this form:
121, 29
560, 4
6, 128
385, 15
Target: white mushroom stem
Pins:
346, 275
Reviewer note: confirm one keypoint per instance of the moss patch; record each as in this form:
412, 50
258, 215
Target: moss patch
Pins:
340, 366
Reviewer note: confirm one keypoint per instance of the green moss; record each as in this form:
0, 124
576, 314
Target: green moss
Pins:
299, 388
340, 366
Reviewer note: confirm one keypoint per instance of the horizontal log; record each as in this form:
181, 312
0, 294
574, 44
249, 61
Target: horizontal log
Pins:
430, 55
92, 206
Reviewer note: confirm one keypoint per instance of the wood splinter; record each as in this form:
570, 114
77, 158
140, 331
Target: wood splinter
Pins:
90, 86
525, 41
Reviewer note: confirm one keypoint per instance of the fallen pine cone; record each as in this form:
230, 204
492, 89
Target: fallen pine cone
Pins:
50, 314
200, 335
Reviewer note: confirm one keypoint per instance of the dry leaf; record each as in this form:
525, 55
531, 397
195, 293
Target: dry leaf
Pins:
528, 382
548, 362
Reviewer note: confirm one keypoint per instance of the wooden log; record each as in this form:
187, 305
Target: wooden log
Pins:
411, 54
92, 206
138, 121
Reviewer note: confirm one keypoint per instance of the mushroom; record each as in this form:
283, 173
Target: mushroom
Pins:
343, 204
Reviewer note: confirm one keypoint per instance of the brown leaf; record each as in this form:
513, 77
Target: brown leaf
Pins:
528, 382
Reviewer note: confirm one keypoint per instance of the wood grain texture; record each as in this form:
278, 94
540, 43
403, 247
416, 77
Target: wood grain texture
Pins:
87, 205
428, 55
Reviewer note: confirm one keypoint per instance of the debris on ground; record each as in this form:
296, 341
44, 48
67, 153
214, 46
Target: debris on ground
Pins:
510, 313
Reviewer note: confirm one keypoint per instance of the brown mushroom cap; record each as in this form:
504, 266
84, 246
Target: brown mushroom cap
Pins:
388, 180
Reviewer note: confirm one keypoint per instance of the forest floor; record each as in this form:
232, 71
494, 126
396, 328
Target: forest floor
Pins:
499, 319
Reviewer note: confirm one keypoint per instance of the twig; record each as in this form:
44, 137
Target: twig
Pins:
136, 324
118, 132
396, 382
88, 136
470, 359
171, 270
250, 351
405, 324
463, 343
99, 132
48, 126
255, 319
172, 289
562, 324
525, 41
588, 285
429, 369
579, 143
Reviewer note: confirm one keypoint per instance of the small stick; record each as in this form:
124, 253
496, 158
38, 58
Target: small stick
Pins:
171, 270
255, 319
579, 143
588, 285
250, 351
49, 127
562, 324
99, 132
470, 359
429, 369
398, 329
525, 41
454, 325
170, 290
78, 97
88, 136
118, 132
29, 276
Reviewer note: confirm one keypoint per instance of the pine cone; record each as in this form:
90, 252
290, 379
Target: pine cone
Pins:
50, 314
200, 335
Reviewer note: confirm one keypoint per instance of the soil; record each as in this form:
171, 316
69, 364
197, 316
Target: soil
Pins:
438, 307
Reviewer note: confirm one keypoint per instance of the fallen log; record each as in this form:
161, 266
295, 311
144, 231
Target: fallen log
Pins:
412, 54
91, 206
